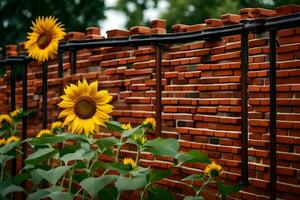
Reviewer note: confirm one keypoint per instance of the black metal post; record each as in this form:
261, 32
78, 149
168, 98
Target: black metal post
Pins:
45, 89
158, 107
12, 108
73, 60
273, 105
244, 107
60, 63
13, 88
24, 102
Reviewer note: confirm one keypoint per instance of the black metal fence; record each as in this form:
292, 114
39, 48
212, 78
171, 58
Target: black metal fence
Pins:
271, 25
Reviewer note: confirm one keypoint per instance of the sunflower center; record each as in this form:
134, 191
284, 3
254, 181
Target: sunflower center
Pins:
44, 40
85, 107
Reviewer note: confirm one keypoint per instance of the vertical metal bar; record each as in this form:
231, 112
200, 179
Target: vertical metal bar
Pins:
13, 107
244, 107
273, 105
73, 60
60, 63
158, 107
13, 88
24, 102
45, 89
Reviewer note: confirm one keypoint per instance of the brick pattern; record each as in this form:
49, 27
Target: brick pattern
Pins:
201, 97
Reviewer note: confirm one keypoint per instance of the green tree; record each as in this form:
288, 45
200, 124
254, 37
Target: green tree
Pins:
190, 11
195, 11
134, 10
16, 15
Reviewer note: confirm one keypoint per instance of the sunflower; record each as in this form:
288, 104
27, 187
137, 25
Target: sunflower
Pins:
150, 122
16, 112
12, 139
126, 126
56, 126
42, 42
44, 132
213, 169
85, 108
130, 163
2, 141
140, 139
5, 119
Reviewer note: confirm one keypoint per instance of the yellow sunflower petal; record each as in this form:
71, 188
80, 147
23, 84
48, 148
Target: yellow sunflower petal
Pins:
84, 107
42, 42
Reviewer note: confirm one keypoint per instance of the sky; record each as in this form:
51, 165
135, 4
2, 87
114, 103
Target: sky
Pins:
116, 20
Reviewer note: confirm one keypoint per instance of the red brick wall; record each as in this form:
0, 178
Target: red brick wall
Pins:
201, 97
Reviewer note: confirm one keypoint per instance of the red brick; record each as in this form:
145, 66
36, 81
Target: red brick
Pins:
75, 36
158, 31
159, 23
117, 33
93, 30
195, 27
140, 30
178, 28
287, 9
211, 23
254, 13
230, 19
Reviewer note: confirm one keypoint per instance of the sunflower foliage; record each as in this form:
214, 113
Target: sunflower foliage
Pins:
68, 162
67, 165
9, 146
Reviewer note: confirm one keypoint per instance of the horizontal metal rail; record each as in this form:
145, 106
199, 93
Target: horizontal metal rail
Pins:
255, 25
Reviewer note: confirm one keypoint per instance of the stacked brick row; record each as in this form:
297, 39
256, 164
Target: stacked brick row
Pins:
201, 97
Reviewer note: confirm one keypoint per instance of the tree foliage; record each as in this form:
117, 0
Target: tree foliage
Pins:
190, 11
16, 15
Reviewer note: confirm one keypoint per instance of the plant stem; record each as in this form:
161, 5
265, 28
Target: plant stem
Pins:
83, 195
2, 170
137, 155
143, 193
70, 180
78, 192
201, 188
119, 148
119, 195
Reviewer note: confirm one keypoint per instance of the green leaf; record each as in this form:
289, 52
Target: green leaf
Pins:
156, 193
39, 194
157, 175
227, 190
137, 130
8, 147
52, 139
7, 188
105, 143
35, 177
60, 196
5, 158
53, 175
194, 177
77, 155
134, 183
69, 149
193, 198
108, 193
193, 156
162, 147
40, 155
89, 155
93, 185
80, 176
81, 138
17, 180
114, 126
